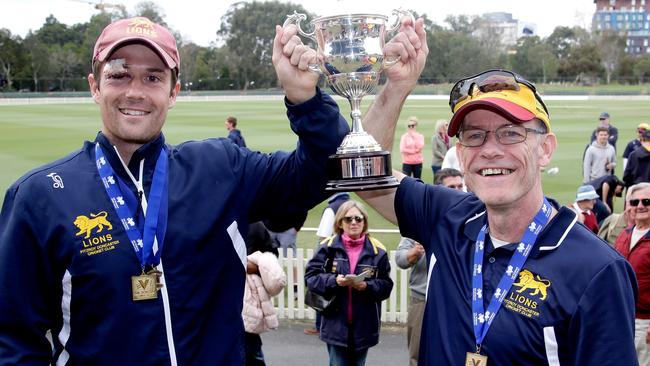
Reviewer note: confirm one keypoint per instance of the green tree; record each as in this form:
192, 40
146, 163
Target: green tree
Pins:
64, 62
583, 64
642, 69
151, 10
563, 39
534, 59
612, 47
38, 58
625, 69
12, 56
248, 29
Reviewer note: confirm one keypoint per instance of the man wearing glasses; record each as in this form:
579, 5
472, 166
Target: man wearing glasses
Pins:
516, 280
634, 245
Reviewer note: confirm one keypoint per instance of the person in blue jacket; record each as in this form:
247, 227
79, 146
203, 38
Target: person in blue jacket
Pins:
351, 326
130, 251
515, 280
234, 134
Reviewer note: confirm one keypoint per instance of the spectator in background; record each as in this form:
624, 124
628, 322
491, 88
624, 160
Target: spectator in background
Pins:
450, 178
632, 145
410, 254
353, 327
440, 143
451, 159
325, 230
607, 187
603, 121
264, 278
634, 245
615, 223
233, 133
600, 157
583, 206
638, 165
287, 239
410, 146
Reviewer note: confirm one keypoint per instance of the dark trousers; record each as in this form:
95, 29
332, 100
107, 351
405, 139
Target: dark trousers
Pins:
414, 170
254, 355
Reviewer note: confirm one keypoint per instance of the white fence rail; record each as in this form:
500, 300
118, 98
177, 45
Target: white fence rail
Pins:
291, 305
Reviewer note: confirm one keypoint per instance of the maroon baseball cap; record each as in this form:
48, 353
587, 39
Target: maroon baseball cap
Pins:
138, 30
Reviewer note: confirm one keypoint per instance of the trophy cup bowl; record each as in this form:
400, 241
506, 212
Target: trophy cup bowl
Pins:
350, 54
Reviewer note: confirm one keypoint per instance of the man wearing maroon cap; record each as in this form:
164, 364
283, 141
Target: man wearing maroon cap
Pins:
130, 251
512, 279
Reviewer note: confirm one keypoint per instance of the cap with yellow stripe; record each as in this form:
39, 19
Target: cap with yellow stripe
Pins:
518, 106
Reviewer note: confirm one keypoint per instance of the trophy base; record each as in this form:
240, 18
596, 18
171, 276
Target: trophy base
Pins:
363, 171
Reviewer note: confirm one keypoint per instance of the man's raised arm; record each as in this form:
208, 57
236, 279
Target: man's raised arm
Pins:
410, 44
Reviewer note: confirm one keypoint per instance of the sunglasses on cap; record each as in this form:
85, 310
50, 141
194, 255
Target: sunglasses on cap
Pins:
489, 81
644, 201
349, 219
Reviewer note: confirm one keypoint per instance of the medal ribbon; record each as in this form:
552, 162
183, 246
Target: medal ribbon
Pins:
155, 221
483, 319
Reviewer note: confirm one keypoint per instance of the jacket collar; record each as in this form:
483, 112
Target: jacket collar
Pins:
550, 238
148, 152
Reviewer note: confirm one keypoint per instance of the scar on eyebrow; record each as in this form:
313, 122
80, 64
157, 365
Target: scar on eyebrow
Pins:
114, 67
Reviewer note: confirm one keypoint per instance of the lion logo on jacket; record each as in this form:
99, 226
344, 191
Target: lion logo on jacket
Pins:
527, 281
86, 224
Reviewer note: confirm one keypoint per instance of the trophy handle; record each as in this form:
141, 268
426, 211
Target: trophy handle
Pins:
296, 18
399, 13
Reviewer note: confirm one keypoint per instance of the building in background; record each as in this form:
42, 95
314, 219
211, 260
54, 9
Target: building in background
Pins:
631, 17
508, 29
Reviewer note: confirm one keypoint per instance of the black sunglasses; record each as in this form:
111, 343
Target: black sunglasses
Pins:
488, 81
411, 126
349, 219
644, 201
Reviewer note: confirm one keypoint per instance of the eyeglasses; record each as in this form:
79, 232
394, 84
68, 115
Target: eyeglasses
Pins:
644, 201
411, 126
349, 219
488, 81
506, 135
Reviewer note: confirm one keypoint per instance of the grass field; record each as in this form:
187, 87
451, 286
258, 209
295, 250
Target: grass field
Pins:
33, 135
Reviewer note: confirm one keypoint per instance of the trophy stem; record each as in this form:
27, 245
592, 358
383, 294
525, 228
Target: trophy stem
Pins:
355, 113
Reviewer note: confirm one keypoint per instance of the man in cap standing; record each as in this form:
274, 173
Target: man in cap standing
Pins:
638, 165
129, 257
632, 145
603, 121
505, 288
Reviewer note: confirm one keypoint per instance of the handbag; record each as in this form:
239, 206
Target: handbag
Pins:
319, 302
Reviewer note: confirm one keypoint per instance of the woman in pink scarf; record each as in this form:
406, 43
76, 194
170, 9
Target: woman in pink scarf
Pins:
410, 146
353, 268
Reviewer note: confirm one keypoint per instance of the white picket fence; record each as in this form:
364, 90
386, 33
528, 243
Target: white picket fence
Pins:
290, 306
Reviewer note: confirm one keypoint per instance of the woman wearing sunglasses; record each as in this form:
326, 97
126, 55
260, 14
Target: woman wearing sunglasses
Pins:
410, 146
634, 244
354, 268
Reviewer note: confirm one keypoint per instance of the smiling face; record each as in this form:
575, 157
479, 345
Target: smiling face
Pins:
133, 95
504, 175
641, 213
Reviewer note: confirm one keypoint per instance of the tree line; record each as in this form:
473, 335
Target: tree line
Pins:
57, 56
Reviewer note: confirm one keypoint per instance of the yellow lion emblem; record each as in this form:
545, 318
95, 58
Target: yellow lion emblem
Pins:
85, 224
527, 281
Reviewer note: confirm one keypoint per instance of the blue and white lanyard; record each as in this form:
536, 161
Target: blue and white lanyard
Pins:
155, 221
483, 319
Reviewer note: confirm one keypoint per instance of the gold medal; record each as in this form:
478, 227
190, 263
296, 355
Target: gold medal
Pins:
144, 287
475, 359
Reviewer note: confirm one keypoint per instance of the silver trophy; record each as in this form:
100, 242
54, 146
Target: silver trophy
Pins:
350, 54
